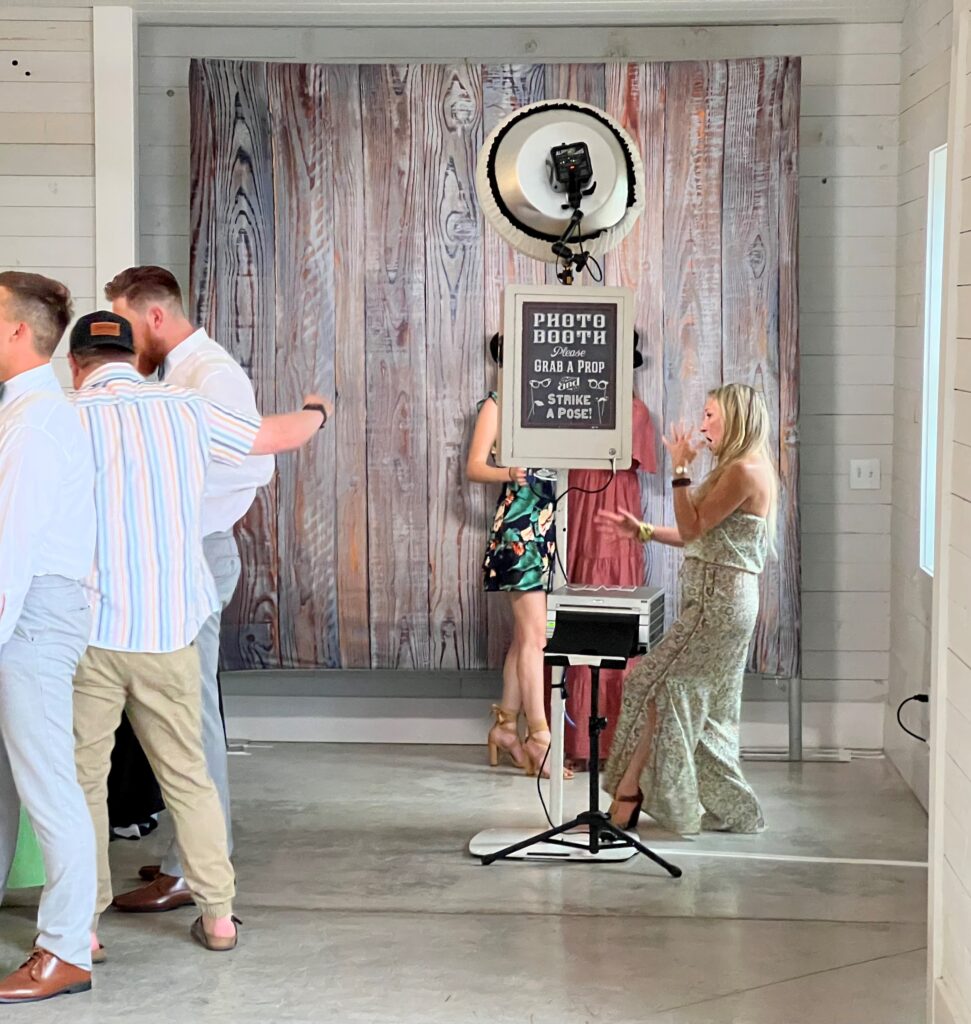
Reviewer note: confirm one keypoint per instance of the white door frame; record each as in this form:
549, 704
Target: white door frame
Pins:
938, 1011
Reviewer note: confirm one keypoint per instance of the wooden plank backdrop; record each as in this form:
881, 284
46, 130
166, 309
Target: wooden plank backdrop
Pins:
337, 244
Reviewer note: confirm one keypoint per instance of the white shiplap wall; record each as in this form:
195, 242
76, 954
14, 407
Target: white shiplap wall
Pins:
850, 106
47, 148
925, 76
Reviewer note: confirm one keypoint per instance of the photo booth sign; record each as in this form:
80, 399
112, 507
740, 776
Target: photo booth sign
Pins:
567, 377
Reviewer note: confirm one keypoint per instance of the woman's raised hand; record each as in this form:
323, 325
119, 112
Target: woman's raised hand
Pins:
683, 450
619, 525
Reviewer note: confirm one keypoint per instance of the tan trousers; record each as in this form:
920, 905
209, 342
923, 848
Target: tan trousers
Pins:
162, 694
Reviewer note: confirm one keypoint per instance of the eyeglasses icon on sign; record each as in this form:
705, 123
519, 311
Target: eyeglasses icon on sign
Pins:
534, 401
599, 385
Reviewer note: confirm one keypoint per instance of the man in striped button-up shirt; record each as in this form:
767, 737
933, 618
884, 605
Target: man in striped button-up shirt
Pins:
152, 591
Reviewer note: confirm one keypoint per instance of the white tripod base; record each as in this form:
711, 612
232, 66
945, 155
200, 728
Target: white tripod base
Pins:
492, 840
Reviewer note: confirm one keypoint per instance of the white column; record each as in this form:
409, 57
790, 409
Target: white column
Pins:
115, 142
957, 164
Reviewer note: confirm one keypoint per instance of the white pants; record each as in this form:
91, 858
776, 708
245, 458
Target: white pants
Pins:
37, 768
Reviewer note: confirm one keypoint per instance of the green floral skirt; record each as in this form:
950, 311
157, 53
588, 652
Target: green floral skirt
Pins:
523, 542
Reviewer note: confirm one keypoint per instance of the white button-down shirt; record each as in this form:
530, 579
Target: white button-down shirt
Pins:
47, 524
204, 366
153, 446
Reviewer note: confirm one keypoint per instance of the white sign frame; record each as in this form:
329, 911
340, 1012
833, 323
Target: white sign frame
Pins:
564, 447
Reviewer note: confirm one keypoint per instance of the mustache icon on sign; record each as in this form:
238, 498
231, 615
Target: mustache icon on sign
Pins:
600, 385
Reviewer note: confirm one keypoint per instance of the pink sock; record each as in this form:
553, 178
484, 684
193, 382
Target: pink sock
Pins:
95, 945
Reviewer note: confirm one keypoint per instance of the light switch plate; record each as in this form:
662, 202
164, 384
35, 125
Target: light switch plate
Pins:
864, 474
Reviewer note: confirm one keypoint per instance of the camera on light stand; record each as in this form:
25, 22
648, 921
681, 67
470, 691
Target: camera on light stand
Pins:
571, 170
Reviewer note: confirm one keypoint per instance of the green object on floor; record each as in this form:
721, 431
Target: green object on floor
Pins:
28, 863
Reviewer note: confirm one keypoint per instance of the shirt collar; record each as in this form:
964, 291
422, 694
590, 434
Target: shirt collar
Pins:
112, 371
196, 341
40, 378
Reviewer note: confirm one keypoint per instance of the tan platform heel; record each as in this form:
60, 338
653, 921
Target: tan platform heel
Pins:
504, 738
536, 754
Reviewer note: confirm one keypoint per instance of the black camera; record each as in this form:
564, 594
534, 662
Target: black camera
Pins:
570, 166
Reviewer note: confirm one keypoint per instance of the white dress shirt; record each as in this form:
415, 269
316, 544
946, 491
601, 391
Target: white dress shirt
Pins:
47, 520
202, 365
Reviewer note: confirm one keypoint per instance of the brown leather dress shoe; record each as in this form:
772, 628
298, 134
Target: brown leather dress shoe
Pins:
149, 872
43, 976
165, 893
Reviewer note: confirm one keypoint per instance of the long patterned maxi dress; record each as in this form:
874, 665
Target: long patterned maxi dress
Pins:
687, 691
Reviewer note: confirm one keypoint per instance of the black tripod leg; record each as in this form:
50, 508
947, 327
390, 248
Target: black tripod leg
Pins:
532, 841
608, 826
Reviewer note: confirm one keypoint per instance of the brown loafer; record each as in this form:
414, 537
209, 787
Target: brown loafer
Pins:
213, 942
165, 893
149, 872
43, 976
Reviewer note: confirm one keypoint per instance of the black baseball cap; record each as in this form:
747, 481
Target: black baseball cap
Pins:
102, 329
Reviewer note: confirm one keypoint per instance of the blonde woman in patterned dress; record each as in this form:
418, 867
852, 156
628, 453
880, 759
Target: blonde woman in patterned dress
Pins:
676, 751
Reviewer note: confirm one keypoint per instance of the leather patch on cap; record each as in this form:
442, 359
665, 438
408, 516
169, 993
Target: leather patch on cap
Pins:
105, 330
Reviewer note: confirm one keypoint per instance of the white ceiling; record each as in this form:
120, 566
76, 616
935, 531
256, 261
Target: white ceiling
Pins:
499, 12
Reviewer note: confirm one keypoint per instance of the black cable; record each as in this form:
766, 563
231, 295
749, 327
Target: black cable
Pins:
539, 785
600, 270
921, 698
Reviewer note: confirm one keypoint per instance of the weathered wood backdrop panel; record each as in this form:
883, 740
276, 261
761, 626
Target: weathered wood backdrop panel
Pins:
337, 245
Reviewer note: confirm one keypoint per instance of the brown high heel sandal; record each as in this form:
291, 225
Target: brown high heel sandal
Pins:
533, 761
637, 801
504, 738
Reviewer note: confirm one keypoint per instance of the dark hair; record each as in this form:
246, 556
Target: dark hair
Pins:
102, 355
139, 285
42, 303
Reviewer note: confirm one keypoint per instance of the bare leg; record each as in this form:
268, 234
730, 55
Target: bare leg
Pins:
629, 788
529, 616
529, 613
504, 735
512, 697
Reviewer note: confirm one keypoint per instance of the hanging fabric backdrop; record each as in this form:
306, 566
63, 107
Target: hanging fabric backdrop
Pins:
337, 246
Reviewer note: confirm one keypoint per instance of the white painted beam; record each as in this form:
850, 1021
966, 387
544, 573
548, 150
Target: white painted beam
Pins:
116, 141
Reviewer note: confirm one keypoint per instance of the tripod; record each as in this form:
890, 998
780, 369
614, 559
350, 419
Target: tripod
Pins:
602, 832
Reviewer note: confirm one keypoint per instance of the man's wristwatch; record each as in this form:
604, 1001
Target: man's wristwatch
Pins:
317, 407
681, 478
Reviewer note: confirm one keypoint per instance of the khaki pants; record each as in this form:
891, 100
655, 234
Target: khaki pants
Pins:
161, 693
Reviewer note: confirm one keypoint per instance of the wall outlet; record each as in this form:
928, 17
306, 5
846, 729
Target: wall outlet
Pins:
864, 474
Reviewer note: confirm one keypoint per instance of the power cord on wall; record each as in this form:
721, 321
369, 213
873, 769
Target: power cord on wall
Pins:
921, 698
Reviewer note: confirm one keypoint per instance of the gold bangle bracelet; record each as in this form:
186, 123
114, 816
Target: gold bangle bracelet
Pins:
645, 533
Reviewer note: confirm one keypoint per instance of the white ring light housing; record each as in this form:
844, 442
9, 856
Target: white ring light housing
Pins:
513, 179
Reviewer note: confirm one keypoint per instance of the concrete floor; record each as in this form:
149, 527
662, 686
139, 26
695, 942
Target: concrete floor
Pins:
361, 905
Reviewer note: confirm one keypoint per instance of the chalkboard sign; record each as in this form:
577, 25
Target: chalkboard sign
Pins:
569, 358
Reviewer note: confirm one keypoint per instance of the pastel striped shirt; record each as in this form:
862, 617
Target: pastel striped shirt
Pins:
151, 588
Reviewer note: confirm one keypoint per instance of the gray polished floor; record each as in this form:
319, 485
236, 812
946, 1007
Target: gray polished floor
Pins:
361, 905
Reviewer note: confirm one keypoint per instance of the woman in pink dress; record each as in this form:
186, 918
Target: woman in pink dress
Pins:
596, 559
